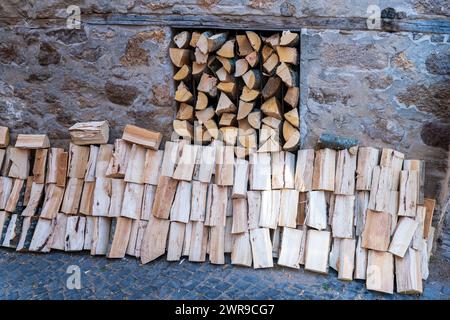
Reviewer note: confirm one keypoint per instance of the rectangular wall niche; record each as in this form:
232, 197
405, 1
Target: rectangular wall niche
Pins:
241, 87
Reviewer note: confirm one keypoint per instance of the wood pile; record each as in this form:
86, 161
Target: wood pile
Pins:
238, 87
360, 211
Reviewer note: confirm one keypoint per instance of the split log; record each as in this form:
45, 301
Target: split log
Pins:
207, 163
271, 63
185, 112
379, 190
169, 159
4, 137
117, 192
36, 196
408, 273
316, 214
291, 136
15, 199
270, 209
403, 235
19, 163
78, 160
217, 244
72, 196
241, 253
75, 233
393, 159
271, 88
261, 248
120, 233
254, 119
194, 39
290, 248
52, 202
102, 197
93, 132
228, 88
198, 201
393, 208
293, 118
324, 170
260, 171
224, 170
13, 229
217, 210
380, 271
197, 69
367, 160
198, 243
207, 84
202, 42
179, 57
228, 64
276, 242
292, 96
334, 254
361, 205
240, 216
224, 76
100, 236
272, 107
182, 74
360, 261
288, 55
87, 198
147, 202
104, 157
244, 46
418, 165
301, 209
227, 49
227, 120
164, 195
32, 141
252, 59
342, 223
254, 40
152, 167
417, 242
225, 105
146, 138
154, 240
89, 233
346, 259
303, 172
58, 237
187, 240
182, 39
248, 95
175, 241
241, 67
92, 163
252, 79
41, 241
316, 252
345, 172
288, 208
212, 129
186, 163
6, 165
377, 231
57, 166
205, 114
429, 205
132, 201
266, 52
240, 179
289, 170
181, 207
254, 209
184, 129
409, 180
2, 157
287, 75
202, 101
40, 162
289, 38
26, 234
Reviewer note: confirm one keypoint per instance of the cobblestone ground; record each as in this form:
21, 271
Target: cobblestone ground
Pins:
43, 276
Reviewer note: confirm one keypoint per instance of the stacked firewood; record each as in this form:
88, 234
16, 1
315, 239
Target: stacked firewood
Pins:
360, 210
240, 88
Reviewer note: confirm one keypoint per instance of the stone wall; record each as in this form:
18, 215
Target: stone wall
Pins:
387, 89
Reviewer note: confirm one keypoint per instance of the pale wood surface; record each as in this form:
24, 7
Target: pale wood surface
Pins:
317, 249
377, 231
261, 248
380, 271
290, 248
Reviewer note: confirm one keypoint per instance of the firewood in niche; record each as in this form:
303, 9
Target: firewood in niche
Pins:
228, 88
224, 76
198, 69
252, 79
254, 40
254, 118
244, 109
244, 46
289, 77
205, 114
289, 38
182, 39
293, 142
272, 122
183, 128
248, 95
229, 135
292, 117
202, 42
182, 74
212, 129
271, 64
200, 57
227, 119
179, 57
272, 107
185, 112
292, 96
241, 67
252, 59
228, 64
227, 49
183, 94
273, 40
194, 38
